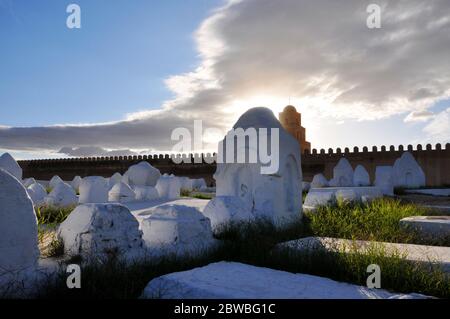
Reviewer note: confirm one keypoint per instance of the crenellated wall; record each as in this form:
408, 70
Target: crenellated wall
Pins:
435, 161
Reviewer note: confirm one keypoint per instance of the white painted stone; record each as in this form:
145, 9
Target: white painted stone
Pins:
342, 174
432, 255
18, 226
121, 193
407, 172
94, 189
384, 179
231, 280
432, 192
95, 230
76, 183
176, 229
187, 184
55, 181
436, 227
347, 195
225, 210
145, 193
62, 195
319, 181
168, 187
198, 184
37, 193
114, 179
9, 164
306, 186
361, 176
275, 196
319, 197
142, 174
328, 196
28, 181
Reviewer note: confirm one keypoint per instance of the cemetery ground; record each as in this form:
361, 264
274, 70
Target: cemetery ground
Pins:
256, 244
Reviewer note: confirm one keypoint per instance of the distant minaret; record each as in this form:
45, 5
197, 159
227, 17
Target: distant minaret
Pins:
291, 121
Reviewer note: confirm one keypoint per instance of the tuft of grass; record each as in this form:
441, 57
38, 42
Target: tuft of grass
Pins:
185, 193
202, 196
50, 215
377, 221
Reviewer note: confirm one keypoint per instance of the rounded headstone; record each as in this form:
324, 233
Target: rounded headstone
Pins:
142, 174
18, 226
62, 195
9, 164
94, 189
177, 229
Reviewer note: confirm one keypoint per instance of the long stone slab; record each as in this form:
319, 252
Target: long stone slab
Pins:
230, 280
431, 191
329, 195
432, 226
415, 253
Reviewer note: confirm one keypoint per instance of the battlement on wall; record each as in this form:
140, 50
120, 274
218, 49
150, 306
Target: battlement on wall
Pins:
206, 158
382, 149
197, 158
434, 159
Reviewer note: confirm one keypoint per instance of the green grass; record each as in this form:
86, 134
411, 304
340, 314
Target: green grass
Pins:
254, 243
376, 221
50, 215
202, 196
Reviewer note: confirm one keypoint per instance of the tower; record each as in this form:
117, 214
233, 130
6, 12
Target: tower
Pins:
291, 121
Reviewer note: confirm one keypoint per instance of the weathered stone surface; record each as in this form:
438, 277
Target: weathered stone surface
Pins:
94, 189
55, 181
306, 186
384, 179
142, 174
342, 174
96, 230
121, 193
168, 186
319, 197
230, 280
177, 229
145, 193
28, 181
432, 255
328, 196
273, 193
62, 195
18, 226
187, 183
114, 179
37, 193
76, 183
319, 181
361, 176
437, 227
347, 195
407, 172
198, 183
225, 210
9, 164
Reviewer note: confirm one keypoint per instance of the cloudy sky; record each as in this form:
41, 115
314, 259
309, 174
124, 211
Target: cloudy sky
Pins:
138, 69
